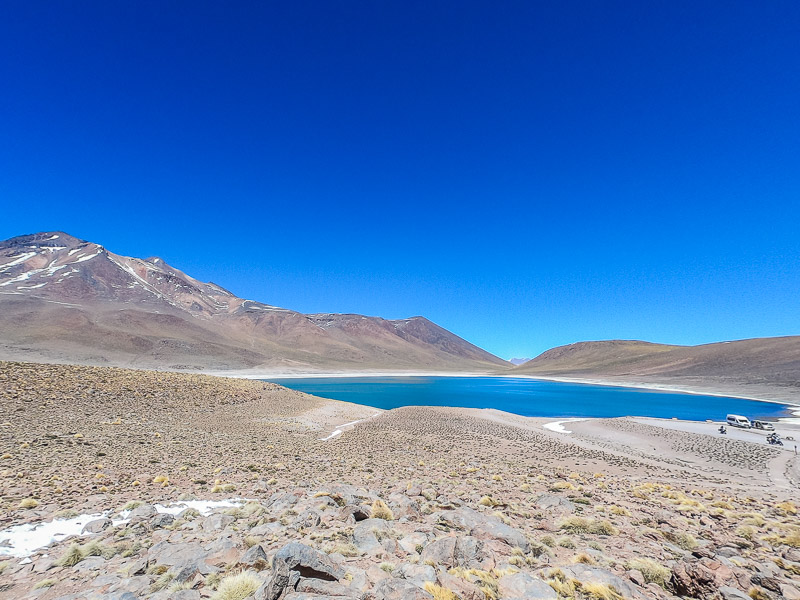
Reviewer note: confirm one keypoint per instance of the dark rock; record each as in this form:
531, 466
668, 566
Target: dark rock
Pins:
255, 558
96, 526
162, 520
771, 583
359, 512
297, 560
699, 578
185, 573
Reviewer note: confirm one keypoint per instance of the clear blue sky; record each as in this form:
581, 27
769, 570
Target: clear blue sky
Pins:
526, 174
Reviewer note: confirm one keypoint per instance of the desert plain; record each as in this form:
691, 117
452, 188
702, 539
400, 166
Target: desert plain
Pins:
189, 486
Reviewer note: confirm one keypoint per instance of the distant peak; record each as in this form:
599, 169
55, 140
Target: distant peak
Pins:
518, 361
43, 239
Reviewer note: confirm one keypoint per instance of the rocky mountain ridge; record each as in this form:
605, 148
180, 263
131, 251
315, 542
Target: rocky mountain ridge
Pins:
69, 300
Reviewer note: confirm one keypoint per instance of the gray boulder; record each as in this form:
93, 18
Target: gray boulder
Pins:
399, 589
143, 512
96, 526
185, 595
296, 560
729, 593
452, 551
589, 574
359, 512
365, 535
162, 520
555, 502
321, 588
523, 586
255, 557
217, 521
485, 527
419, 575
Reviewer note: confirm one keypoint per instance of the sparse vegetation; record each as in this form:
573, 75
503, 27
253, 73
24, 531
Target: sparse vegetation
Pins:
237, 587
439, 593
583, 525
28, 503
652, 571
381, 511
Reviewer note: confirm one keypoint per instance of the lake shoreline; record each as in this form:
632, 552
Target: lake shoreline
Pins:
643, 385
525, 397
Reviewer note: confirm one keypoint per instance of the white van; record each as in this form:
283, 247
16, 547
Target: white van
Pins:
739, 421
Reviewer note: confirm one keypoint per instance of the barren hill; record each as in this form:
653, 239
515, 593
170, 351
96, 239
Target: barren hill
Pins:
68, 300
753, 366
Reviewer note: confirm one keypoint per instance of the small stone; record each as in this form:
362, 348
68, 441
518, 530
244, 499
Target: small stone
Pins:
217, 522
729, 593
96, 526
143, 512
161, 520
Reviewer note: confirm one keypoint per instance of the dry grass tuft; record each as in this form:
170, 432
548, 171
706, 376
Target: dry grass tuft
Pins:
381, 511
584, 558
758, 594
582, 525
439, 593
71, 557
28, 503
683, 540
652, 571
237, 587
599, 591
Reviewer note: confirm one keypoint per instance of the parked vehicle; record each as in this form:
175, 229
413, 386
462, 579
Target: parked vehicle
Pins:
764, 425
739, 421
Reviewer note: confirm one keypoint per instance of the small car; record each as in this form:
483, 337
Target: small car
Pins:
763, 425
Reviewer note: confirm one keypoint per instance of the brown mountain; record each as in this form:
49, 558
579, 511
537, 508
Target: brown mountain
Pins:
762, 367
67, 300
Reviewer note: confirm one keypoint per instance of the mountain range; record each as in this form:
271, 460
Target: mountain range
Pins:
63, 299
759, 367
67, 300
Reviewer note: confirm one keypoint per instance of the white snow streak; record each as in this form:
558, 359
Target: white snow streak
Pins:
558, 427
23, 540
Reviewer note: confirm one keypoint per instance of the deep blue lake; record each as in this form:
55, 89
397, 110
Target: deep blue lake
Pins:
531, 398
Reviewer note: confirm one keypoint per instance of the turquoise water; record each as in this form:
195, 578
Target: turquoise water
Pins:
532, 398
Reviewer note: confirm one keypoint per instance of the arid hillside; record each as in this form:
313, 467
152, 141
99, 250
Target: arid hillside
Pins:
175, 486
67, 300
761, 367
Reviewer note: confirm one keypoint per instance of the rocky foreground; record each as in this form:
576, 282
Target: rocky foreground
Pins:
412, 503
